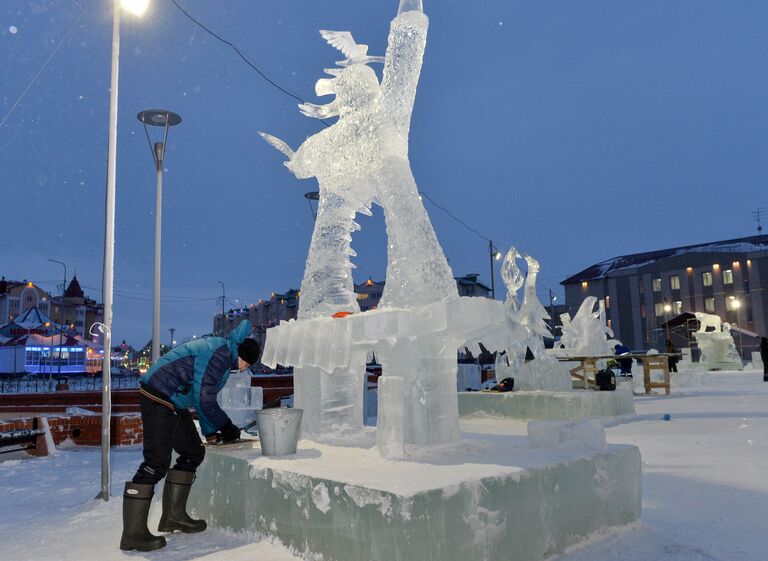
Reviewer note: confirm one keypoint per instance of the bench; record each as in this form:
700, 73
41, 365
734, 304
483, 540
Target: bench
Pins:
34, 440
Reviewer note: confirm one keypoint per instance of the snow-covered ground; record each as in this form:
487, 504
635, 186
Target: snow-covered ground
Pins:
705, 490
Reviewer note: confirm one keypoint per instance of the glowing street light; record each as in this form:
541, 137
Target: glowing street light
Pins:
494, 254
136, 7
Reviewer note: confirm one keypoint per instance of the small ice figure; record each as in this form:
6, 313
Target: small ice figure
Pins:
588, 332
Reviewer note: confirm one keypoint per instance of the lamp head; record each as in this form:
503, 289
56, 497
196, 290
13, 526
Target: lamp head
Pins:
136, 7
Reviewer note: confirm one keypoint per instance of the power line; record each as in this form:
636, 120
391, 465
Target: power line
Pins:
286, 92
237, 50
34, 78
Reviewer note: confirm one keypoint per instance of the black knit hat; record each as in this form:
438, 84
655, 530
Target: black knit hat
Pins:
249, 351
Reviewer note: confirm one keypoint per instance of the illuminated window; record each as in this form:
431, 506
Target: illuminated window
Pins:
674, 282
706, 278
727, 276
709, 305
659, 309
656, 284
677, 307
584, 285
610, 323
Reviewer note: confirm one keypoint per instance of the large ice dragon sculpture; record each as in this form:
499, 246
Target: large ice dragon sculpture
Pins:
363, 158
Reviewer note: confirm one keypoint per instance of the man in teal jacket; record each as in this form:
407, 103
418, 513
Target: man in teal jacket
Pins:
189, 376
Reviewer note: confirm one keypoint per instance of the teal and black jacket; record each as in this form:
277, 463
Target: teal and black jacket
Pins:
192, 374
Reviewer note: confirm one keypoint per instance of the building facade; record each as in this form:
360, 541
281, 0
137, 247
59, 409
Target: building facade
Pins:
18, 297
644, 292
468, 285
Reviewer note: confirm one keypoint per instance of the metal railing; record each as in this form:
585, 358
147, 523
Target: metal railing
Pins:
37, 384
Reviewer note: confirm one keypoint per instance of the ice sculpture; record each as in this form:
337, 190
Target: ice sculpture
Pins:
718, 351
587, 334
420, 322
525, 329
361, 159
239, 399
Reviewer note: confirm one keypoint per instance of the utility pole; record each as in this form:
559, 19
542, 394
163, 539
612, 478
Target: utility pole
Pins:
223, 298
552, 299
172, 330
61, 313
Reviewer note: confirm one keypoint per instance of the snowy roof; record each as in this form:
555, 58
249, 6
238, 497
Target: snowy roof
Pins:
32, 318
635, 260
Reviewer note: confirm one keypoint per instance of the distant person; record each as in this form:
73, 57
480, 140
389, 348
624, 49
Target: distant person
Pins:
189, 376
624, 363
672, 351
764, 357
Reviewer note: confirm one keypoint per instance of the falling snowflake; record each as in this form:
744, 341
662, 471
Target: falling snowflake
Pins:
13, 29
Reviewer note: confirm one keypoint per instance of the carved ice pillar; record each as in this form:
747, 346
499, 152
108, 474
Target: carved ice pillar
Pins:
429, 410
341, 398
306, 396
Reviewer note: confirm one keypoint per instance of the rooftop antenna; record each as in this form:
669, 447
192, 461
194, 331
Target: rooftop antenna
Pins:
757, 216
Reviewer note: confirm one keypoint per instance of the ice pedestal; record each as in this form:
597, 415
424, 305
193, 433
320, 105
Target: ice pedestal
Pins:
417, 345
494, 498
572, 405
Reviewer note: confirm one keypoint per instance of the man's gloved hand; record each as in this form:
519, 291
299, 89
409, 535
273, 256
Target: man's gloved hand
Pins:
229, 432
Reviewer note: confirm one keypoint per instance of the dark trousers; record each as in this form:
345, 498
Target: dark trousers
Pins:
672, 364
167, 430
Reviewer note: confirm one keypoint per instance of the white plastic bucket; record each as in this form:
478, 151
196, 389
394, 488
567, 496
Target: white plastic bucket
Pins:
279, 430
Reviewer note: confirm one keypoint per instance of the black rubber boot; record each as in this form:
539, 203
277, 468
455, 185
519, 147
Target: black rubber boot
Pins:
175, 493
137, 499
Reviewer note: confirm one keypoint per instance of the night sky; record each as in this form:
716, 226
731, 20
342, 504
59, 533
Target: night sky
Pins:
574, 130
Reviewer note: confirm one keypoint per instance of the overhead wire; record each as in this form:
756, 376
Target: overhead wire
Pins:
42, 68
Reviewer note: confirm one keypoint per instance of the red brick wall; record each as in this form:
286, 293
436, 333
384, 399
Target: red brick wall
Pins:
123, 401
85, 430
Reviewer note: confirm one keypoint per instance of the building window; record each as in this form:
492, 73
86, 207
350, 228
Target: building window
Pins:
642, 311
732, 304
709, 305
610, 323
584, 285
706, 278
677, 307
656, 284
659, 308
674, 282
727, 276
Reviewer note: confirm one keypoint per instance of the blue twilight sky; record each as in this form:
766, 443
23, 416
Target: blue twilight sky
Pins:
576, 130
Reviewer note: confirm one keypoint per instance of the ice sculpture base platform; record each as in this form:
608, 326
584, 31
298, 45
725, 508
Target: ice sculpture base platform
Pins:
491, 498
572, 406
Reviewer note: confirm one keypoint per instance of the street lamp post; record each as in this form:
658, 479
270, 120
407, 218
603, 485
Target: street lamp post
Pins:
312, 196
165, 119
136, 7
552, 299
736, 303
667, 309
61, 315
223, 298
493, 254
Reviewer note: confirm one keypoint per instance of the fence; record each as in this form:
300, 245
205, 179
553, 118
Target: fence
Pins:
38, 384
